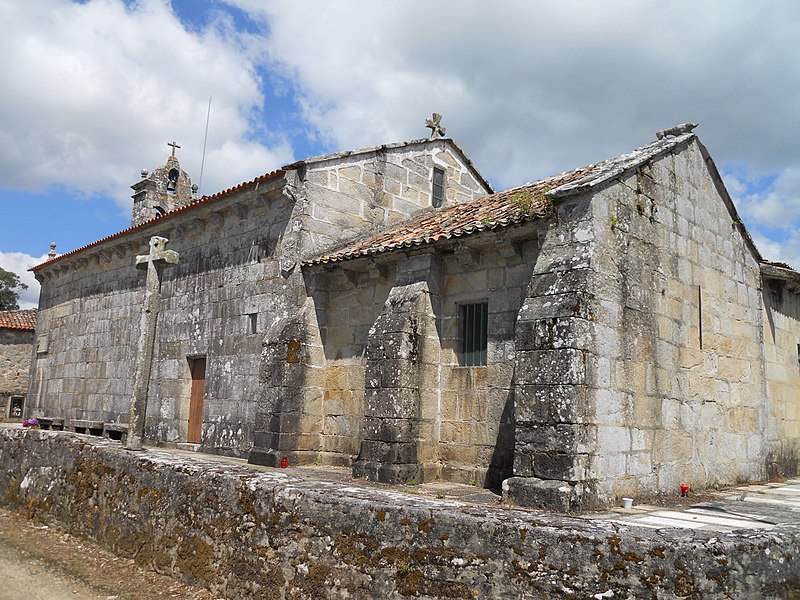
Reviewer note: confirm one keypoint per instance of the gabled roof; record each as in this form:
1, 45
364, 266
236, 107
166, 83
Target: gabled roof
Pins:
612, 168
517, 205
371, 149
265, 177
18, 319
524, 203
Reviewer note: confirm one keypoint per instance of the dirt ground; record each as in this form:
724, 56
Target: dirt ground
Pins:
38, 562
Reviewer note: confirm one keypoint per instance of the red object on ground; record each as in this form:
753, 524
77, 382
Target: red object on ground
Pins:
284, 463
685, 490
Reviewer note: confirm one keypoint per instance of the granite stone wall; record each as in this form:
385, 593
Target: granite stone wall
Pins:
217, 302
350, 194
244, 533
386, 340
237, 288
16, 346
781, 353
679, 387
640, 361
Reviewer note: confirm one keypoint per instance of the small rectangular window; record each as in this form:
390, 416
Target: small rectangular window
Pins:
475, 321
437, 197
253, 320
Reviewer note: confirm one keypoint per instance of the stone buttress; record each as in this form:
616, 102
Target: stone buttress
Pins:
285, 405
397, 353
554, 435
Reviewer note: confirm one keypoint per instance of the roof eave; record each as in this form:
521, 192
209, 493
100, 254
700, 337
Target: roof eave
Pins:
163, 218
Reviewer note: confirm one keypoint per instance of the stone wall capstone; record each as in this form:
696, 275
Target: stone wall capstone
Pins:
245, 533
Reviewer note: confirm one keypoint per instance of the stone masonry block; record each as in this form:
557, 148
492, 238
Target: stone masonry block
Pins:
551, 404
384, 452
561, 438
390, 430
392, 346
391, 374
392, 403
523, 463
564, 258
550, 367
553, 333
569, 304
564, 467
552, 495
613, 439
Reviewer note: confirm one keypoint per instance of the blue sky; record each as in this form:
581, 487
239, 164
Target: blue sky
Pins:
92, 92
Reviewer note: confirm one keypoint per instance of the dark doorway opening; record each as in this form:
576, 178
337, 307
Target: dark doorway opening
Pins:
198, 367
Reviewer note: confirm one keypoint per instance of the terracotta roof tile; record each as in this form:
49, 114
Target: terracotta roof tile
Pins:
525, 203
18, 319
517, 205
775, 263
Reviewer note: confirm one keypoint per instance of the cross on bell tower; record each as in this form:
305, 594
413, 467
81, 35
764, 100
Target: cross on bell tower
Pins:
161, 190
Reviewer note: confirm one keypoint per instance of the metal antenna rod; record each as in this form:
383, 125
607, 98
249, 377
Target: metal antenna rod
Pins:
205, 140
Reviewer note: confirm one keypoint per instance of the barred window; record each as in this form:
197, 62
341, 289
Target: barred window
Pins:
475, 321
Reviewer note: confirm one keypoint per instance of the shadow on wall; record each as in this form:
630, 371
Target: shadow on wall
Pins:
501, 466
782, 462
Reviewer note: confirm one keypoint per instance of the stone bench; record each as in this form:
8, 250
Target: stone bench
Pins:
116, 431
54, 423
90, 427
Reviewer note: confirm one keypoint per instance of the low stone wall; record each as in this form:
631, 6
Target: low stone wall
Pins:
248, 533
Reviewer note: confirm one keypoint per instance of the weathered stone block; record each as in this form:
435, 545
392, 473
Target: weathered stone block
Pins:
527, 491
552, 333
555, 466
392, 402
568, 304
390, 430
388, 453
561, 438
550, 367
391, 373
564, 258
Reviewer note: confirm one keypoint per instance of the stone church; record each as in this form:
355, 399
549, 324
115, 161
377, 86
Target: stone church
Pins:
609, 331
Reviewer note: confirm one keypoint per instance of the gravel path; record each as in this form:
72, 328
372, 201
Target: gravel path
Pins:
38, 562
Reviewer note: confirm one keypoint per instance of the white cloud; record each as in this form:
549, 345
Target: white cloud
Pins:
771, 211
532, 88
96, 89
786, 250
19, 263
775, 205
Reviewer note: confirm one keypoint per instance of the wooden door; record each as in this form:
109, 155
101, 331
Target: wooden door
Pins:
196, 400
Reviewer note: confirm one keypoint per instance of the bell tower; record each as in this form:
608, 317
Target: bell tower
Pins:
165, 189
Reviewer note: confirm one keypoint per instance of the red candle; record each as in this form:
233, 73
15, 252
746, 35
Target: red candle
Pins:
284, 463
685, 490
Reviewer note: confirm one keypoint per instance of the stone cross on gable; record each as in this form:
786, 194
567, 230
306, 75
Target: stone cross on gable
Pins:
158, 255
154, 262
434, 124
174, 145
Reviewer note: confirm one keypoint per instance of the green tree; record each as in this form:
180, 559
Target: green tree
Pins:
10, 287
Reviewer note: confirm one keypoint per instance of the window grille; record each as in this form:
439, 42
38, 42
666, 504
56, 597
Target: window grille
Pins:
475, 321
